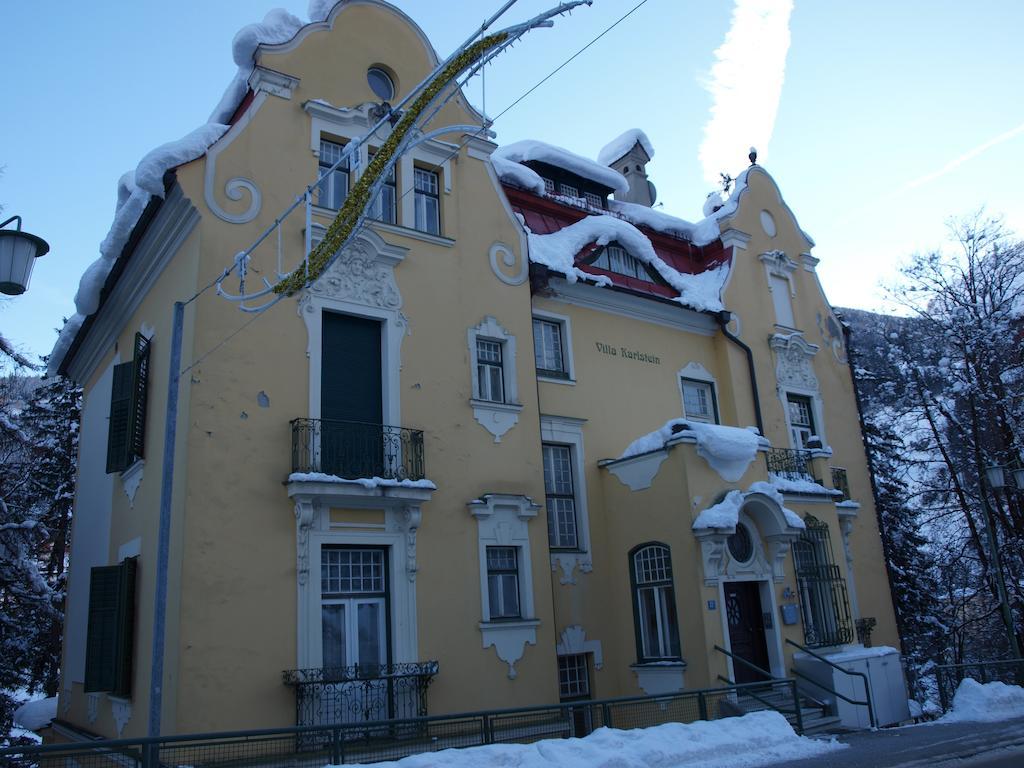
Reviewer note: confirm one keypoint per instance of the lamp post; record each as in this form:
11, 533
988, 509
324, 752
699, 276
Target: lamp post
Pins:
996, 477
18, 252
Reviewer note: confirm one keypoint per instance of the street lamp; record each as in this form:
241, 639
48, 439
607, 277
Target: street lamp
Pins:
18, 252
996, 476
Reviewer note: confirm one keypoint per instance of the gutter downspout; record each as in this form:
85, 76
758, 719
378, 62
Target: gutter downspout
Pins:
723, 319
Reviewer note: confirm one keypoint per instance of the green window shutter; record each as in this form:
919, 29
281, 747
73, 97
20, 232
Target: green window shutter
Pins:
110, 637
125, 628
137, 410
101, 637
120, 409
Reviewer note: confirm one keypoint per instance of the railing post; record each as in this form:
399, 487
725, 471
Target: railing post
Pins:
151, 755
488, 733
702, 705
606, 715
336, 756
798, 708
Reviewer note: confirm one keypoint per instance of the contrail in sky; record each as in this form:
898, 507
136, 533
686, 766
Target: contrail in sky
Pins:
970, 155
745, 83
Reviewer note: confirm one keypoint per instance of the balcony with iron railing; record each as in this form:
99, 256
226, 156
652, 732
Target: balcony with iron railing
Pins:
354, 450
790, 464
364, 693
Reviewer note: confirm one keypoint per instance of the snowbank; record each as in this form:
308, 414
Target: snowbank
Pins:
752, 740
366, 482
529, 149
855, 654
558, 250
975, 702
621, 144
33, 715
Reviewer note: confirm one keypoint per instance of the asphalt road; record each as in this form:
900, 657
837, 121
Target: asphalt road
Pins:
964, 745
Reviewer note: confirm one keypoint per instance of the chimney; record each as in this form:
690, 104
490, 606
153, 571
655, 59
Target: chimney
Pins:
629, 154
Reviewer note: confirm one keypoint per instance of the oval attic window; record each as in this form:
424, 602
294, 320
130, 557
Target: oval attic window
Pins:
380, 83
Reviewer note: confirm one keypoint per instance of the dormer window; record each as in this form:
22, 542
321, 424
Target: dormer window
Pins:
549, 187
568, 190
614, 258
594, 201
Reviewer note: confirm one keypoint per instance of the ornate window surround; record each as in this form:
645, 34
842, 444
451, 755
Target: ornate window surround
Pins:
496, 418
794, 372
361, 282
569, 431
503, 520
314, 529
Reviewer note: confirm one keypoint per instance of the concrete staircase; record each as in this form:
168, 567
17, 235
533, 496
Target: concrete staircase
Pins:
816, 720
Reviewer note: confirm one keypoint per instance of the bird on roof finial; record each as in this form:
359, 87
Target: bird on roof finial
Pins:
753, 156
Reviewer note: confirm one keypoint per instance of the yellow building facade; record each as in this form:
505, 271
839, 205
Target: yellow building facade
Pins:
421, 470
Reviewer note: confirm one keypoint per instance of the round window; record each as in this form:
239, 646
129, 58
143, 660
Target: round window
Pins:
740, 545
380, 83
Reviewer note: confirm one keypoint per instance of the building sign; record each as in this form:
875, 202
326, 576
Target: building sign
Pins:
626, 353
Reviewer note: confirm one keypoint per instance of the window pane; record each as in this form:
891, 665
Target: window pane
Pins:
370, 645
594, 201
332, 619
510, 594
501, 558
426, 181
697, 402
549, 186
547, 345
488, 351
562, 522
347, 571
557, 469
649, 624
573, 676
670, 627
568, 190
652, 564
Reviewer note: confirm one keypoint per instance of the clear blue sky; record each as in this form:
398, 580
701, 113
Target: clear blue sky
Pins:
877, 95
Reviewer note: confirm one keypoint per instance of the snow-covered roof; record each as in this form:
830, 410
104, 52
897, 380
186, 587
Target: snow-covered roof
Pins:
621, 145
517, 174
557, 251
726, 513
529, 149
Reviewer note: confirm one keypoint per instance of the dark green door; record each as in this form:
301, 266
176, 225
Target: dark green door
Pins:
351, 439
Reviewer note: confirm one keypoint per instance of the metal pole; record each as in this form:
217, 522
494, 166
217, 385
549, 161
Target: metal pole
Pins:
1000, 583
164, 538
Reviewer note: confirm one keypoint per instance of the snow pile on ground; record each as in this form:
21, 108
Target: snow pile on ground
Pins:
558, 250
755, 739
366, 482
800, 485
529, 149
621, 144
728, 450
33, 715
990, 702
517, 174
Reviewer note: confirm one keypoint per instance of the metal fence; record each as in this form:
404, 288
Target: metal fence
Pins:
352, 449
789, 463
316, 746
949, 676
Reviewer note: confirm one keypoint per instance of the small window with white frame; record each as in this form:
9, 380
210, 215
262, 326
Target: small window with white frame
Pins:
699, 402
568, 190
573, 677
332, 188
801, 419
503, 582
654, 603
593, 200
490, 372
427, 201
549, 348
560, 496
549, 186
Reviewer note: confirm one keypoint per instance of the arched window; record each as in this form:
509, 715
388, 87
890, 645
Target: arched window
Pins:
654, 603
823, 600
615, 259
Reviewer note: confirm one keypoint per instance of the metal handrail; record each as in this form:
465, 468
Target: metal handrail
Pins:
746, 663
797, 709
867, 685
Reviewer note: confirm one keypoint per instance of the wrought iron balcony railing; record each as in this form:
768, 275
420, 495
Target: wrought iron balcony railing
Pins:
353, 450
365, 693
840, 482
790, 463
